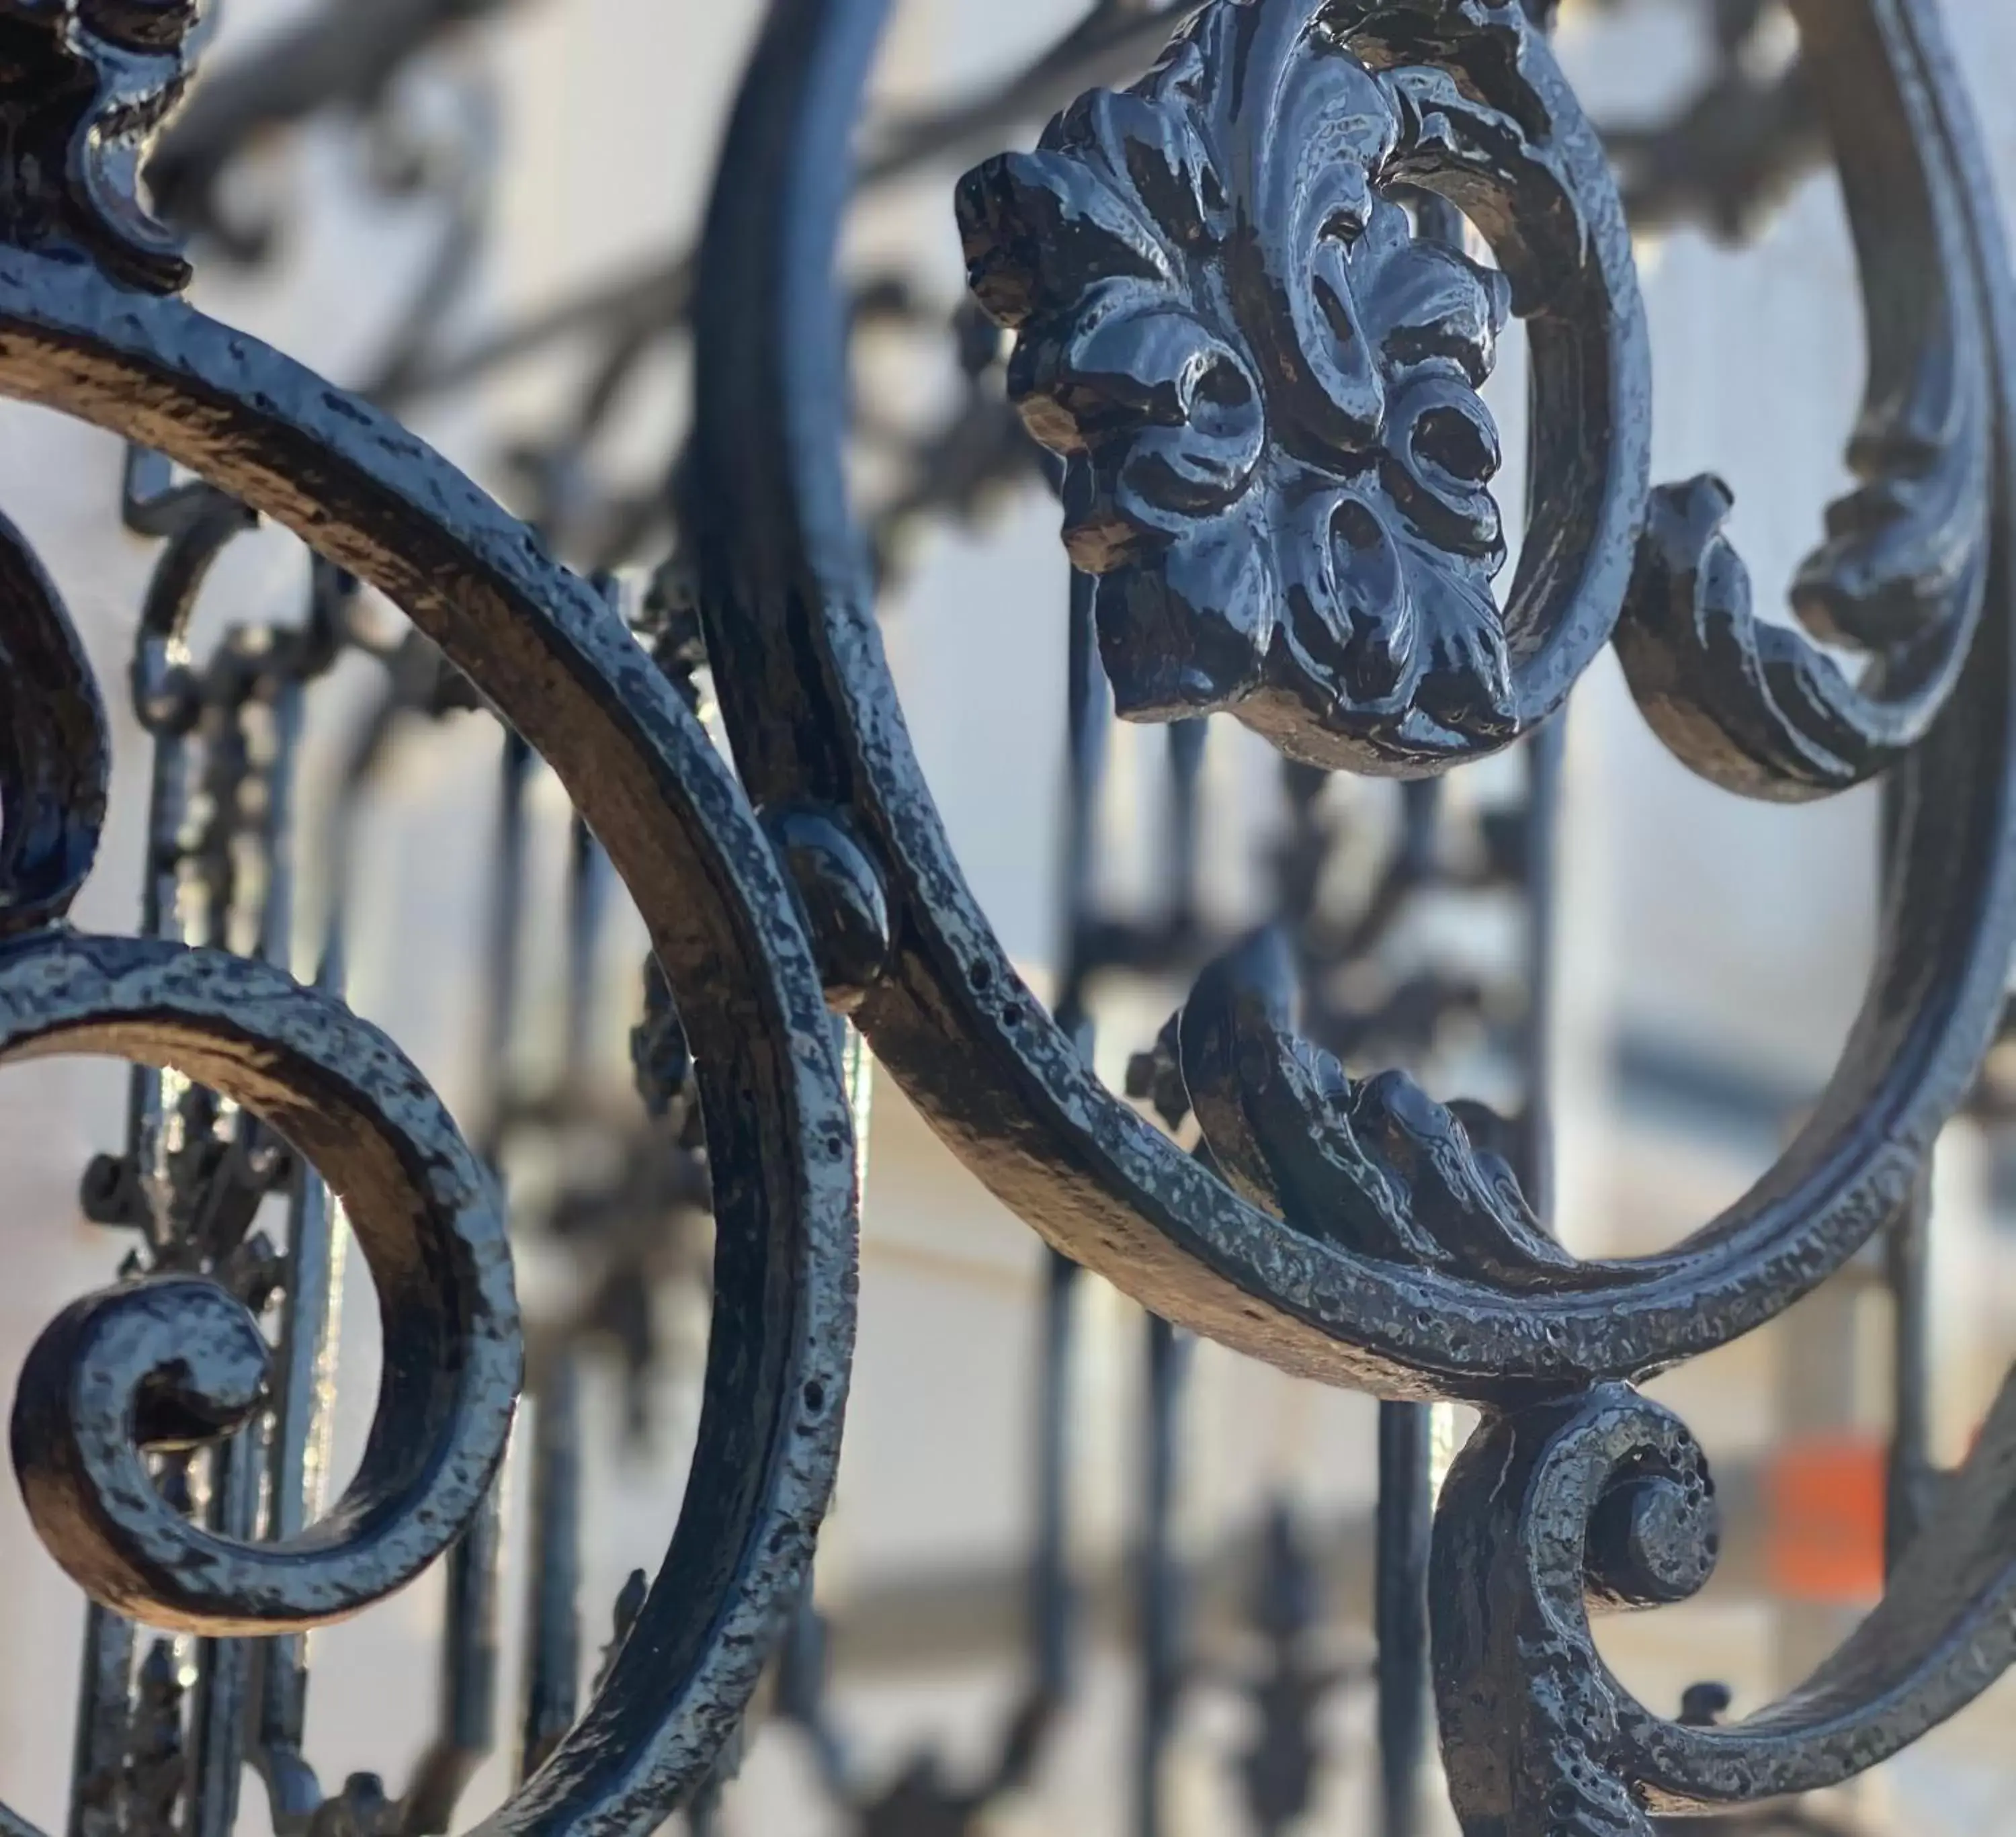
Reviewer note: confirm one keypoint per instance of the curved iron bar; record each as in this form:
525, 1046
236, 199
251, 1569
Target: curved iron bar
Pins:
1250, 362
813, 718
551, 656
1901, 576
1367, 1273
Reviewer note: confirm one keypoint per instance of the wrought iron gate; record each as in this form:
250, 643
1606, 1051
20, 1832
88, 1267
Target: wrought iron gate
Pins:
1248, 335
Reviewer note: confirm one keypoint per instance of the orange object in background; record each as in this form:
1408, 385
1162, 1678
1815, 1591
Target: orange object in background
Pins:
1823, 1520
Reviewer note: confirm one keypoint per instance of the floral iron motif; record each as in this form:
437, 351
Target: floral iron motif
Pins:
1264, 381
1592, 1497
1267, 386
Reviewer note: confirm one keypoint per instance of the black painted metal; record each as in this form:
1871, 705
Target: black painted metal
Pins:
1400, 1611
1160, 1606
1247, 328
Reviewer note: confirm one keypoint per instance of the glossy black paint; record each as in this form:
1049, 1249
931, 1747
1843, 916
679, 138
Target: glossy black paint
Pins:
812, 713
88, 82
1244, 326
1902, 574
376, 501
1060, 245
1263, 381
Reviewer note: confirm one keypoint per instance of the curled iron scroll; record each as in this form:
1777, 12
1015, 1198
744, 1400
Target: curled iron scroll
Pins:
1547, 1503
1604, 1501
554, 658
172, 1358
814, 720
1368, 1242
153, 1361
1902, 575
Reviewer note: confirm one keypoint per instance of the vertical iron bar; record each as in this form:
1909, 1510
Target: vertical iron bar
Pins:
298, 1452
1052, 1597
1400, 1611
106, 1708
1545, 753
284, 701
1087, 716
104, 1723
1908, 1473
552, 1636
1186, 747
504, 941
222, 1701
168, 805
222, 1691
467, 1729
553, 1663
298, 1445
1161, 1606
1403, 1520
468, 1679
1160, 1603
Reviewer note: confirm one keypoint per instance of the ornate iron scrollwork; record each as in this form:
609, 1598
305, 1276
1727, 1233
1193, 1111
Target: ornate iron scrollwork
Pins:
88, 83
1601, 1500
1902, 573
1259, 362
161, 1360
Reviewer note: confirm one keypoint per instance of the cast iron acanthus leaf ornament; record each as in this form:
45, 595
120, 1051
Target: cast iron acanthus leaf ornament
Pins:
1375, 1163
1904, 573
1265, 385
82, 85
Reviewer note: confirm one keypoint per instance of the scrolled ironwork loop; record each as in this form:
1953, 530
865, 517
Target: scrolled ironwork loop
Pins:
1264, 382
169, 1359
1246, 327
1318, 1285
1259, 380
92, 328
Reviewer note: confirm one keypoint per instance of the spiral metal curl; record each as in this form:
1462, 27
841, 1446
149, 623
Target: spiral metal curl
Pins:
1308, 381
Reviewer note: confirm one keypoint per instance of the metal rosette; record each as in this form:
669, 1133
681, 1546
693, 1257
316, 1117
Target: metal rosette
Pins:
1262, 378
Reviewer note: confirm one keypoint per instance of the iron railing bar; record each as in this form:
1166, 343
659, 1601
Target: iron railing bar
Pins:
1400, 1535
1160, 1583
467, 1717
553, 1635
